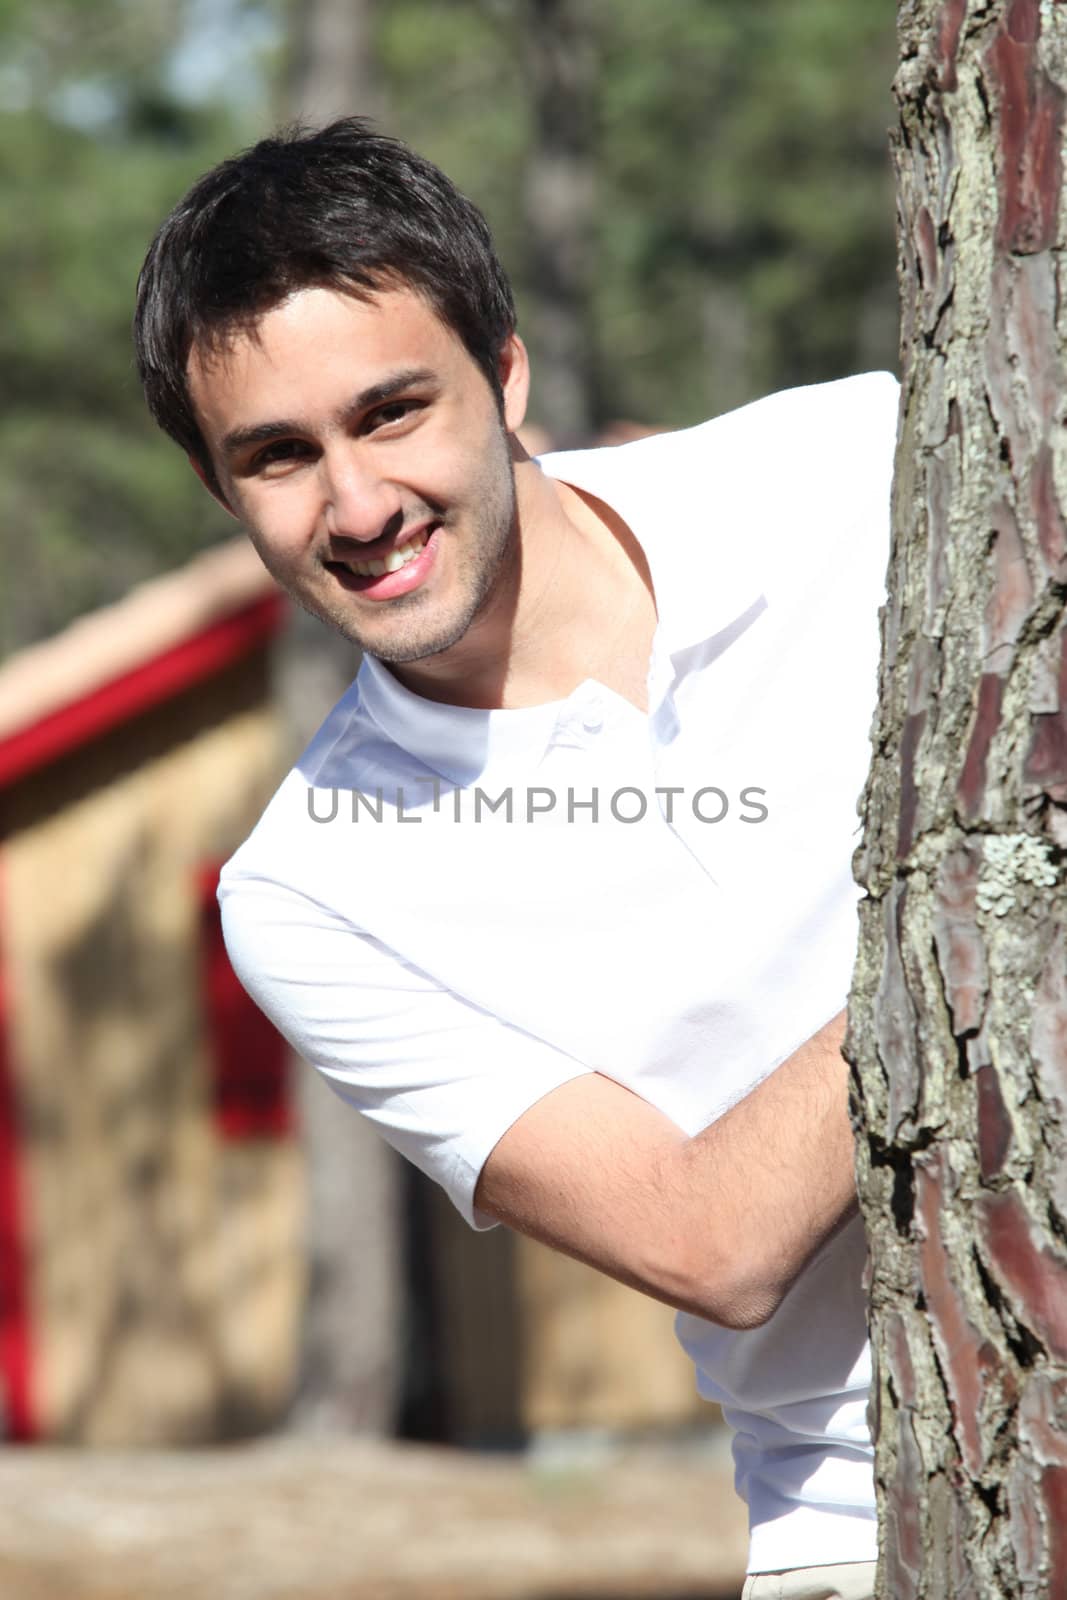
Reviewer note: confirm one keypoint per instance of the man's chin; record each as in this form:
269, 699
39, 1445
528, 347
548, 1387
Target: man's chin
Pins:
404, 652
398, 646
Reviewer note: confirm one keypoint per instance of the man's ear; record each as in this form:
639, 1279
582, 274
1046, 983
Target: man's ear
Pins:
513, 366
211, 486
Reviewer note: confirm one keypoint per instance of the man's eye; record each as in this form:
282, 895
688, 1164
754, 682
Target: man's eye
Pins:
394, 411
283, 450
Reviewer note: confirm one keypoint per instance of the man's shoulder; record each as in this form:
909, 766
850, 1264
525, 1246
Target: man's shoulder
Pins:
860, 409
864, 397
741, 503
862, 406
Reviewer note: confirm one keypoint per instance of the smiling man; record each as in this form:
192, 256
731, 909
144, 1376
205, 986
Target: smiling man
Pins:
559, 895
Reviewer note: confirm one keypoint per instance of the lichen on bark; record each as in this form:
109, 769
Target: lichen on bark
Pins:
958, 1017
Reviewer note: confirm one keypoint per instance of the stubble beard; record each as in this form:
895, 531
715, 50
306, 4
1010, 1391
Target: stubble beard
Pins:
414, 632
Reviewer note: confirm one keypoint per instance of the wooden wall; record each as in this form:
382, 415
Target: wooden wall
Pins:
162, 1256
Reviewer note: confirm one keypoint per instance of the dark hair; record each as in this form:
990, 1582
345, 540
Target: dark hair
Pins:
343, 207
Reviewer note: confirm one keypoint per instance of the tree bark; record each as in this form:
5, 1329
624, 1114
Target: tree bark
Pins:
958, 1028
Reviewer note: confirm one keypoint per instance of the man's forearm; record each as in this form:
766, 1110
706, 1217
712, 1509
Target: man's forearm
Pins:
778, 1172
719, 1224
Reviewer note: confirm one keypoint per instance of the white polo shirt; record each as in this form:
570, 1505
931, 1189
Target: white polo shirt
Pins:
451, 912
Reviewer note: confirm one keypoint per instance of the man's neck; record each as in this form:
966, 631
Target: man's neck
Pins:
576, 603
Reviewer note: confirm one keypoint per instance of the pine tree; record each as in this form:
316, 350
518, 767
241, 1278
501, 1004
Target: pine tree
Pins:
959, 1011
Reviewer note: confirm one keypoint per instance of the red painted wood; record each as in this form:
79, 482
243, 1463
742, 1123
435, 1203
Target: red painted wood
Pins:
16, 1412
250, 1057
157, 680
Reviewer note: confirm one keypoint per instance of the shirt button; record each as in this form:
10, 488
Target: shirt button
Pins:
593, 717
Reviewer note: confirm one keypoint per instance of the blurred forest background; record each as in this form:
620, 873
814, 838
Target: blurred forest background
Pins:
693, 198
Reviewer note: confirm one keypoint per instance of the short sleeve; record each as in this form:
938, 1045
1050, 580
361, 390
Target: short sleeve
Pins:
441, 1079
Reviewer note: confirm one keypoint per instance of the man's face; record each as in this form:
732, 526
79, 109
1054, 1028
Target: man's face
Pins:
347, 433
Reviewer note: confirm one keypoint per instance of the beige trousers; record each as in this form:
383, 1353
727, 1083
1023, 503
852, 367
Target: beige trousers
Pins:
850, 1580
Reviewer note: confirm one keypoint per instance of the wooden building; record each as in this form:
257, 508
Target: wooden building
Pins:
156, 1222
151, 1272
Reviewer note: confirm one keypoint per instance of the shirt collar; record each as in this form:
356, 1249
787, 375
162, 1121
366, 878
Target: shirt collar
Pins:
459, 743
703, 585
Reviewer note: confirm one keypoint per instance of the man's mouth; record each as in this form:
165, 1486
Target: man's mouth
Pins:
402, 569
397, 557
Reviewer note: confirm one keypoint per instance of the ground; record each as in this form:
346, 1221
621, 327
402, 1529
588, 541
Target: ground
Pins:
327, 1520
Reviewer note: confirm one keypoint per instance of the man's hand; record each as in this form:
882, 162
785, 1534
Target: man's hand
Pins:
721, 1224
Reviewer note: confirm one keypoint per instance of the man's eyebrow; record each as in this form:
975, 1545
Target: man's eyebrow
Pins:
377, 394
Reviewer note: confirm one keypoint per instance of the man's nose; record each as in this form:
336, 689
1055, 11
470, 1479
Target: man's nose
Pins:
361, 503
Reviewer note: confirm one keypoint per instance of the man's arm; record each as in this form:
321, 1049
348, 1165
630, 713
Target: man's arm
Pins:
721, 1224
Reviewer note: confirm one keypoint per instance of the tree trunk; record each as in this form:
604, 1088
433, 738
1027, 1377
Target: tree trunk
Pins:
959, 1008
557, 51
333, 71
350, 1377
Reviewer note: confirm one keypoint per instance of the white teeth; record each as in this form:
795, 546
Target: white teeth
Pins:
392, 562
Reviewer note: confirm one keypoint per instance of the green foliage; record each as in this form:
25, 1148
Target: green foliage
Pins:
741, 235
92, 498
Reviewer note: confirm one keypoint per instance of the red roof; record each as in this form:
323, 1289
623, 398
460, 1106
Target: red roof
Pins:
110, 665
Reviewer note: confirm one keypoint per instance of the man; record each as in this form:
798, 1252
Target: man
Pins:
559, 895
